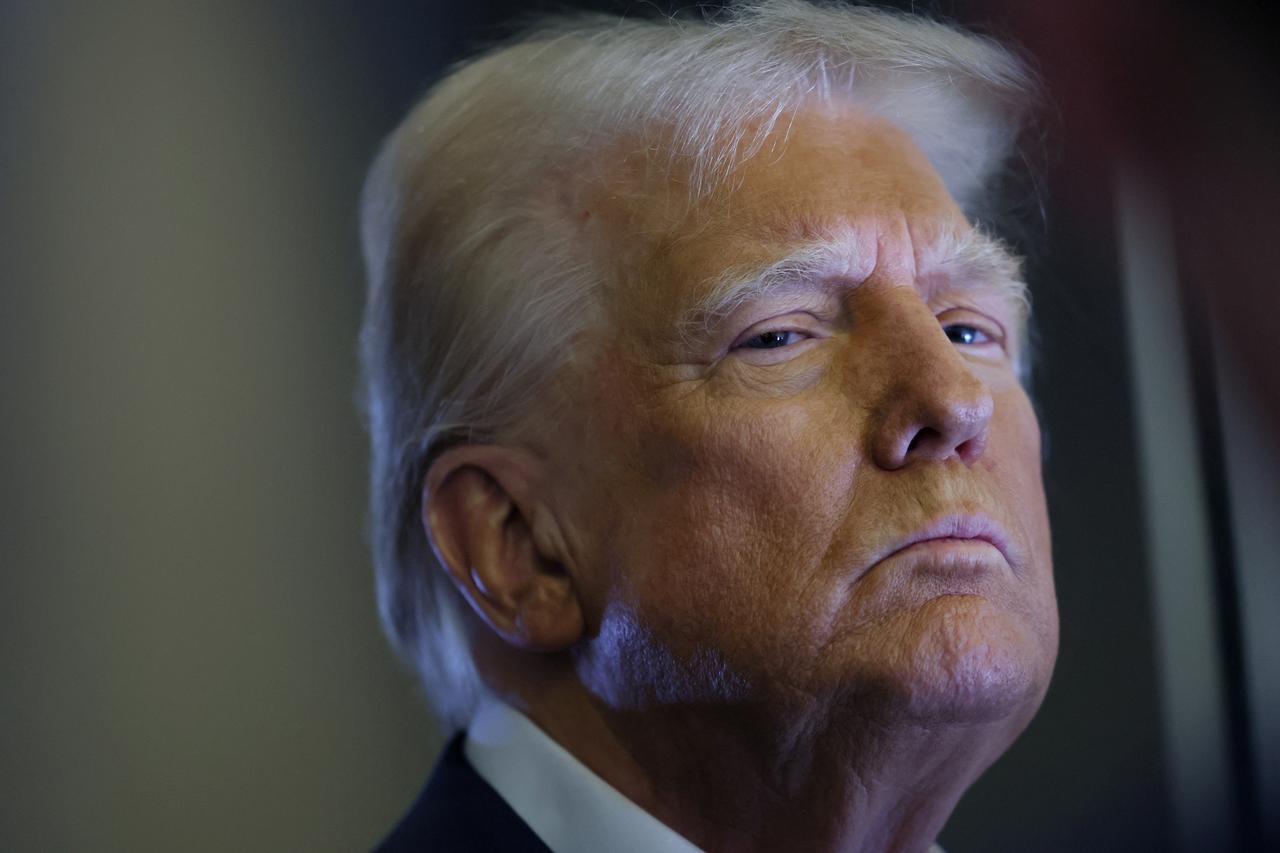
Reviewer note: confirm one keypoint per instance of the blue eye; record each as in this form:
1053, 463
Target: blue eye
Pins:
769, 340
961, 333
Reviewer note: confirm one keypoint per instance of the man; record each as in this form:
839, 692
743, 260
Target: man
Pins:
706, 492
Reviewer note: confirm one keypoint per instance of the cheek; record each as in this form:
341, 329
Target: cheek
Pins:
1012, 458
735, 504
1015, 473
1015, 464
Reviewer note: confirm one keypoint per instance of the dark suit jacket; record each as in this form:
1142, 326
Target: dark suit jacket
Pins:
459, 812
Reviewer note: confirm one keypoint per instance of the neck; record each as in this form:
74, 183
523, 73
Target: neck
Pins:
744, 779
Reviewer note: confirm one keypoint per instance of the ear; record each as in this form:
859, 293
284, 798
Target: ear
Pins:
500, 545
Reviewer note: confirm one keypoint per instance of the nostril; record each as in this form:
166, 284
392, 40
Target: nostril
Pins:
940, 445
970, 450
924, 437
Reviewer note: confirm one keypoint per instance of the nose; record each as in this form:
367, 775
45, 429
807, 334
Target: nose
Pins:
932, 407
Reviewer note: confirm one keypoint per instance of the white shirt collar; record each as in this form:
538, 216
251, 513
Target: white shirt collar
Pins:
571, 809
566, 805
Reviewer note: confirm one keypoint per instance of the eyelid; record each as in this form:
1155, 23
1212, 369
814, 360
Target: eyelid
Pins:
776, 324
993, 328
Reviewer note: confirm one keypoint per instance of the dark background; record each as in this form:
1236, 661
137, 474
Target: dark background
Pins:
190, 651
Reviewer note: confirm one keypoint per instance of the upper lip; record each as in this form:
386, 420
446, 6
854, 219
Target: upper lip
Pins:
957, 526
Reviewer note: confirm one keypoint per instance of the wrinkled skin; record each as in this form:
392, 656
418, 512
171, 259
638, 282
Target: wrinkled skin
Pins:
751, 670
737, 496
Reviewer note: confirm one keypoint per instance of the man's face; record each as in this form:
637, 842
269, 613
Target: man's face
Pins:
739, 487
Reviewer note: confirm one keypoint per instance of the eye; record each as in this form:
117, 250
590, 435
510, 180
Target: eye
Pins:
964, 333
772, 339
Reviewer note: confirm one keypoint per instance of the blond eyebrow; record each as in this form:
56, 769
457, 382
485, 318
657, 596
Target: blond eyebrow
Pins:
969, 260
976, 259
807, 266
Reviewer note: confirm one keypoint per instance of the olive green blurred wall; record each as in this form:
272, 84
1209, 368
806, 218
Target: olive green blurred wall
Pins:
189, 646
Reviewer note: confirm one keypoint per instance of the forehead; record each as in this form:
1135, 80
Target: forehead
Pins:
824, 175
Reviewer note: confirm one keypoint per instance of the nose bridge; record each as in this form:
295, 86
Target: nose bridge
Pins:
929, 404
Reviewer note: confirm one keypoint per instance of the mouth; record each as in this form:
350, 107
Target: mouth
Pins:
960, 528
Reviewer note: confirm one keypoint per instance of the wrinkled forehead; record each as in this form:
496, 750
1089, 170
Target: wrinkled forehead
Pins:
836, 178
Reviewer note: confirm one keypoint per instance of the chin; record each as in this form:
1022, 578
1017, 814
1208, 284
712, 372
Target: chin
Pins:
958, 660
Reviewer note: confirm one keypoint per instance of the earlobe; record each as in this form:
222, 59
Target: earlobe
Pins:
478, 512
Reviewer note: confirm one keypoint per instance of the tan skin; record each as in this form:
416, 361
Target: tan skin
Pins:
685, 581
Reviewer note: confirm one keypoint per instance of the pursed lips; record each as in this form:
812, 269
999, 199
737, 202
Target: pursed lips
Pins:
979, 528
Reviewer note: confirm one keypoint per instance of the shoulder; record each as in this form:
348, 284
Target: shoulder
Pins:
458, 811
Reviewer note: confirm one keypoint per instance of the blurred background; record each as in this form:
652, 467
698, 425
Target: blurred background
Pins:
189, 650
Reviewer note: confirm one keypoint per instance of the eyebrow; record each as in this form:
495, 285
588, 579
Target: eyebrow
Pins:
973, 260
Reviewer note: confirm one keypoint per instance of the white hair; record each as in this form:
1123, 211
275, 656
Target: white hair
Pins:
476, 280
